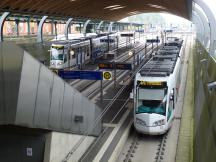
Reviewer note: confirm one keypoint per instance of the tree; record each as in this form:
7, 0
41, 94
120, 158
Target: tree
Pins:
147, 18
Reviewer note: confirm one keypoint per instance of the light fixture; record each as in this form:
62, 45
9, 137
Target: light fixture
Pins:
72, 53
116, 8
156, 6
134, 13
130, 53
113, 6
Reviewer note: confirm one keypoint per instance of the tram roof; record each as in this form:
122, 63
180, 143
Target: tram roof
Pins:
111, 10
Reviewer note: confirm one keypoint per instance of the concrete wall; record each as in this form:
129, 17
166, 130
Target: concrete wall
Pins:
205, 106
34, 97
58, 146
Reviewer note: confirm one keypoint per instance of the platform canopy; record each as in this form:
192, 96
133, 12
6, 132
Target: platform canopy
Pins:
112, 10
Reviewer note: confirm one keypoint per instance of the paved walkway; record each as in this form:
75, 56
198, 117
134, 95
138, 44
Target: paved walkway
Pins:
185, 142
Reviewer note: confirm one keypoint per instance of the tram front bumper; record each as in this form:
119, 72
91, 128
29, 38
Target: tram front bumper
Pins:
156, 130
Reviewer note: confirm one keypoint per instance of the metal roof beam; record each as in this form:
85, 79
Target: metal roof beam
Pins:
2, 21
99, 26
212, 23
40, 29
110, 27
85, 27
68, 24
199, 26
206, 33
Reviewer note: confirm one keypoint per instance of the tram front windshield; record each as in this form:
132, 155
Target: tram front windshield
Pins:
152, 106
57, 54
151, 99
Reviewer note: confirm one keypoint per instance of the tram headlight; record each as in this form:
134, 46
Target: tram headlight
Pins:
60, 63
52, 63
159, 123
140, 122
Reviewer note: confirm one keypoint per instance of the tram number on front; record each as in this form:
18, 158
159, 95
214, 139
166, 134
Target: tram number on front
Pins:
107, 75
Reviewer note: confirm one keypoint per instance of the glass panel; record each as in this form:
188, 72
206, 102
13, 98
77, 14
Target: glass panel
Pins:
151, 94
153, 106
57, 54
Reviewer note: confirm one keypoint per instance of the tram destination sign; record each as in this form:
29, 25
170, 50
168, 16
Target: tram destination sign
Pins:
123, 66
115, 65
152, 41
127, 35
151, 83
87, 75
106, 65
106, 40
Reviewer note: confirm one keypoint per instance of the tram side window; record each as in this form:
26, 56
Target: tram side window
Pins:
87, 50
171, 105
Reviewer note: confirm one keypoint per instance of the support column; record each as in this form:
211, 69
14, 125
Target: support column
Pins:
131, 24
80, 27
56, 30
85, 27
68, 24
52, 27
98, 27
28, 25
38, 22
2, 21
17, 26
40, 30
110, 27
118, 27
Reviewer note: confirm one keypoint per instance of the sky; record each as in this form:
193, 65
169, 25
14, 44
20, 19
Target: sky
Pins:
212, 5
175, 20
172, 19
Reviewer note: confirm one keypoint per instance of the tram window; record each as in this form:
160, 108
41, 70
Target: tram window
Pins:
87, 50
152, 106
170, 109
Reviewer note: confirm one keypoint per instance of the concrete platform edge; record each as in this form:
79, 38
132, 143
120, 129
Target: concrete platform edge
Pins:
121, 143
186, 136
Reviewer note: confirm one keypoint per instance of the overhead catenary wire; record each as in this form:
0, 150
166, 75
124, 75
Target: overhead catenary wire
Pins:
89, 130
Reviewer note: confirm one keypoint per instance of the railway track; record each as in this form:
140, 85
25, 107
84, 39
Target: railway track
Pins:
81, 85
107, 107
92, 88
137, 147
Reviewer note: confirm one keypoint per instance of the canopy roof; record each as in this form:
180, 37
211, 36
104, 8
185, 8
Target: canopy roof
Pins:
112, 10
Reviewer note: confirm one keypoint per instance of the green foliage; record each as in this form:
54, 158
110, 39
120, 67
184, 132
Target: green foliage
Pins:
147, 18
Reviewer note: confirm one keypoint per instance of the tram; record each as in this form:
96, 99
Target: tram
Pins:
155, 92
78, 50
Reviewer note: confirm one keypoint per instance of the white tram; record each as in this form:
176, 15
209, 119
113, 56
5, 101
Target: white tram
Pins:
78, 50
155, 93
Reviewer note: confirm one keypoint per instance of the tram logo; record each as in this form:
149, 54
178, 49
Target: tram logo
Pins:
107, 75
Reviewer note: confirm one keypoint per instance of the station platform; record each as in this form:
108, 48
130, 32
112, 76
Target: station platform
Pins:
108, 146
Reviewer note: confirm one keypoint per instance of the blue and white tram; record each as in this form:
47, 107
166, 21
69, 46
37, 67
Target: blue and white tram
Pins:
155, 94
65, 54
78, 49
